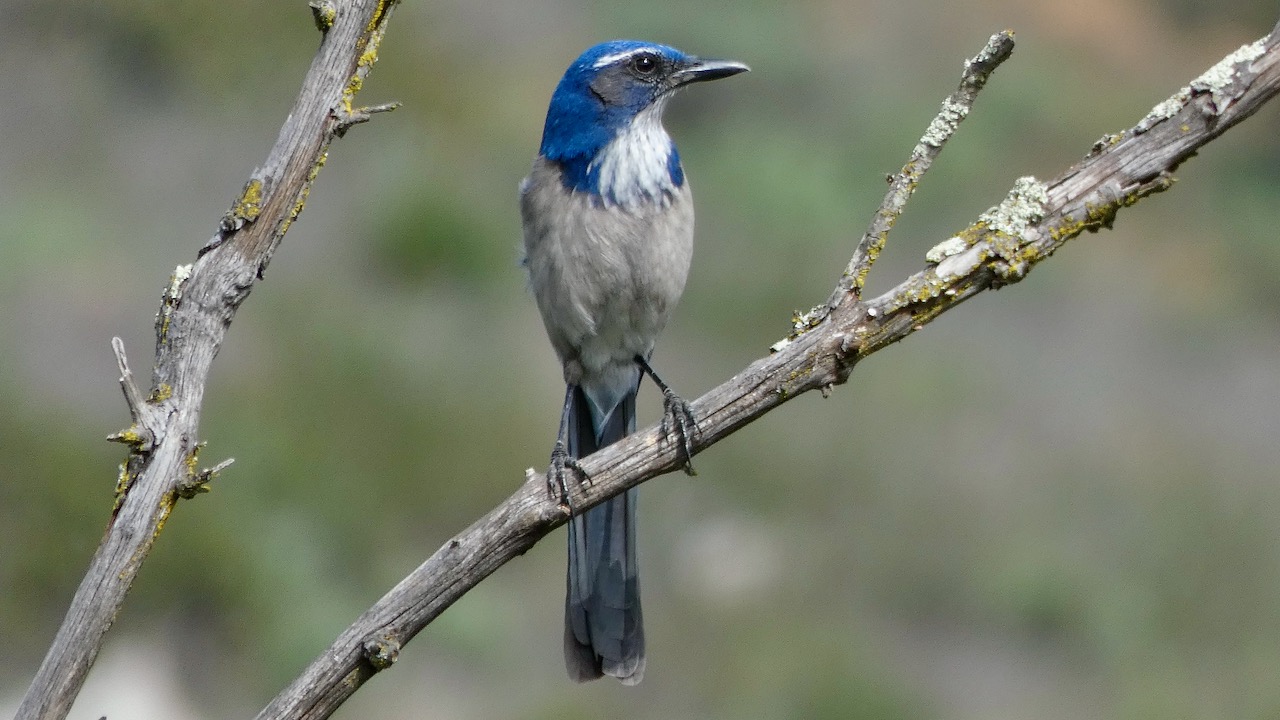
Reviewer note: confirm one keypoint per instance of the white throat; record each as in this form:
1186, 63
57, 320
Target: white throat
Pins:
635, 167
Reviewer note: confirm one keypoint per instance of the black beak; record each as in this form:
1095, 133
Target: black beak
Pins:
698, 70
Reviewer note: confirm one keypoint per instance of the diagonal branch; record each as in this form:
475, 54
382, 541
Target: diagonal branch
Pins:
1001, 247
195, 312
902, 185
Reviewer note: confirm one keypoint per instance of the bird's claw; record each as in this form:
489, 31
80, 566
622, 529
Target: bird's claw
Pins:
563, 464
677, 416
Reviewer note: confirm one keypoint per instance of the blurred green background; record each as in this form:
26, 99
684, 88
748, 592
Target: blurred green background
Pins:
1059, 501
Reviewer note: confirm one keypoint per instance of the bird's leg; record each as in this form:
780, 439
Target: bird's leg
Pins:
561, 461
676, 415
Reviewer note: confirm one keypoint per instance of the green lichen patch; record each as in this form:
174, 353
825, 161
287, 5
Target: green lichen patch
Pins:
304, 193
1165, 110
945, 123
953, 245
1000, 236
245, 209
1004, 231
1214, 81
249, 205
167, 501
195, 481
801, 323
129, 436
349, 93
368, 44
123, 481
162, 392
379, 14
1217, 78
180, 276
193, 459
169, 300
1022, 207
324, 13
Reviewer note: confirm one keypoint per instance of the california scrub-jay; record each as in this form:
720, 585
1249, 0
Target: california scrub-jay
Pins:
608, 235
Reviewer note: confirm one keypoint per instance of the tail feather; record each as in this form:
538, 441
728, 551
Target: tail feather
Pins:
603, 628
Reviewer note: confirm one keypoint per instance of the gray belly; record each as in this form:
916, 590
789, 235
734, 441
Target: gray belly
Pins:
605, 279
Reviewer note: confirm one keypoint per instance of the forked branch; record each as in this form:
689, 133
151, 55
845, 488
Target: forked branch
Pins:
196, 309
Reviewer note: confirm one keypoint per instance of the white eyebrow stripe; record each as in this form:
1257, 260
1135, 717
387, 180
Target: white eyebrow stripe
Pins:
610, 59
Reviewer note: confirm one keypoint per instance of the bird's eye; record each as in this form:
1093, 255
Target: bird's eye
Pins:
644, 63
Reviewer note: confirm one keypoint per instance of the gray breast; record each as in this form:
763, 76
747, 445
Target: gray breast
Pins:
605, 278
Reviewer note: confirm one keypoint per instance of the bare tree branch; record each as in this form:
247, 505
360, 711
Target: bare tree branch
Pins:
901, 186
999, 248
196, 309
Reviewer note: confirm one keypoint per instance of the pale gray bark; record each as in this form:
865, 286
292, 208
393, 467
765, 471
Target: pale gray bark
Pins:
196, 310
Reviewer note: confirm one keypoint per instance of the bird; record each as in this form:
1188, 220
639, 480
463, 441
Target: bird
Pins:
607, 217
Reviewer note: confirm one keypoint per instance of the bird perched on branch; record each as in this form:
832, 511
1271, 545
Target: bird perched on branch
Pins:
608, 235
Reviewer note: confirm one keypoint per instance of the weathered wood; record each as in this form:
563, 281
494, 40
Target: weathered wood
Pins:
196, 309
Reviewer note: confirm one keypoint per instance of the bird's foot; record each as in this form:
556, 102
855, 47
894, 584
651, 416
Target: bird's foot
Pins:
562, 465
677, 417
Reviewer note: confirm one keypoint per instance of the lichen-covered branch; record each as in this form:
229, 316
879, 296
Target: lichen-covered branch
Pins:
1000, 247
1037, 218
196, 309
901, 186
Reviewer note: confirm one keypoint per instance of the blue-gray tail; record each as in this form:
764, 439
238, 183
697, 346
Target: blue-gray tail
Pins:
603, 626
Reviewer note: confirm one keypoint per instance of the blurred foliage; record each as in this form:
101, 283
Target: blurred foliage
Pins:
1056, 502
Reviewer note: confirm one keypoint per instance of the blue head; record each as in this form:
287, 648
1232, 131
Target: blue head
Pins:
604, 124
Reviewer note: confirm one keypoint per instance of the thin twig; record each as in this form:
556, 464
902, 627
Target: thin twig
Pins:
362, 115
140, 436
132, 395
